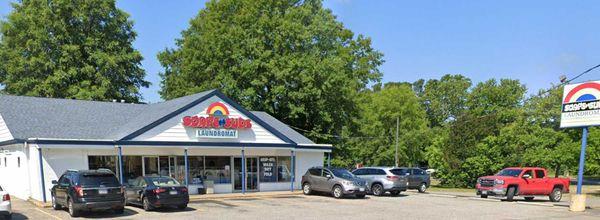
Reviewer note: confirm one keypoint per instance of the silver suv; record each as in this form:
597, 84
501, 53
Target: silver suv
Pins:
383, 179
339, 182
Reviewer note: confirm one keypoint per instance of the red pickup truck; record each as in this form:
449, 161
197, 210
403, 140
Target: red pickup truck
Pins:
522, 181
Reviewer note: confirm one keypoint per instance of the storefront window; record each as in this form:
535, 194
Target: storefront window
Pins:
218, 169
196, 166
284, 169
132, 168
102, 162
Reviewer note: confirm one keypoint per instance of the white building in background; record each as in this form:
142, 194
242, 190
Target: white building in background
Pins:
40, 138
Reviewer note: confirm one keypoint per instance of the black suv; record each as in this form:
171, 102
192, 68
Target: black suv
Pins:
88, 190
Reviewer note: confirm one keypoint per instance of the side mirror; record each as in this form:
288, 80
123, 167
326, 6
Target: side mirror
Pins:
526, 176
328, 176
54, 182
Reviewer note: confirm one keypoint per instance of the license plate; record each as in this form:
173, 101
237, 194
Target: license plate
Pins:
484, 192
172, 192
102, 191
361, 189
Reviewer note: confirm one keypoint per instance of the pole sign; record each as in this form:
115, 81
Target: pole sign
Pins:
581, 105
218, 124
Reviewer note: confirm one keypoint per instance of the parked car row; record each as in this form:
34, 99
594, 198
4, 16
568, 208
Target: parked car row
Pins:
92, 190
374, 180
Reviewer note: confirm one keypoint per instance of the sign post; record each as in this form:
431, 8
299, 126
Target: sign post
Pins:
580, 109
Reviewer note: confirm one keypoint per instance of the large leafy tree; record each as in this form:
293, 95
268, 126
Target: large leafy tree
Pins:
290, 58
445, 98
70, 49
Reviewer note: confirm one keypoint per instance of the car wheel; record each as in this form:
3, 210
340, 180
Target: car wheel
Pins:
377, 189
556, 195
119, 210
484, 196
422, 187
306, 189
395, 193
338, 192
55, 205
529, 198
360, 196
72, 211
182, 207
511, 194
146, 204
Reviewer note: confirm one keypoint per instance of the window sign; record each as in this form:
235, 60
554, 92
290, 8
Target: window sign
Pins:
267, 169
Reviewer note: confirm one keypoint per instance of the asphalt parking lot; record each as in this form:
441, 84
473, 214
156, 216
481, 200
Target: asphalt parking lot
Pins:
409, 205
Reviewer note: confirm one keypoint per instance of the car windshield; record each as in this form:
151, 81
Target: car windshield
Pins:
342, 173
98, 179
163, 181
509, 172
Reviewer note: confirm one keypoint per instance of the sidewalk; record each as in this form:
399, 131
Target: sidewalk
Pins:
249, 195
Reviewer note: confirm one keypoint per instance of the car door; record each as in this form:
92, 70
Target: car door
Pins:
60, 192
316, 179
140, 189
540, 186
413, 178
328, 181
131, 191
527, 186
421, 176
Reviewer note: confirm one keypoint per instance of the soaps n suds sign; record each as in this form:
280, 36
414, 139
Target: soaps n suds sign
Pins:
581, 105
218, 123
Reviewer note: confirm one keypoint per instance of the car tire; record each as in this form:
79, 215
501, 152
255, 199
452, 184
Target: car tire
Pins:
484, 196
73, 212
529, 198
377, 189
306, 189
422, 187
146, 204
510, 195
394, 193
55, 205
119, 210
556, 195
182, 207
360, 196
337, 192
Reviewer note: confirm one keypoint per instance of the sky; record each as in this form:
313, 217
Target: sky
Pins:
533, 41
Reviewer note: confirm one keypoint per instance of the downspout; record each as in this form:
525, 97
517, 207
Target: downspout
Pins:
41, 158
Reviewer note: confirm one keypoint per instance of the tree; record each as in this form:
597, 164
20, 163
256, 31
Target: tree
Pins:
70, 49
379, 112
289, 58
445, 98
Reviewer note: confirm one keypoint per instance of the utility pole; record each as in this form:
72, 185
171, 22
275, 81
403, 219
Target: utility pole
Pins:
397, 128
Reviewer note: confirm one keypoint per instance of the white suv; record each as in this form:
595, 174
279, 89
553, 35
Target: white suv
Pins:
5, 209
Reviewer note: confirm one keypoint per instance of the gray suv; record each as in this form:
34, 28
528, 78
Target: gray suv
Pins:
383, 179
417, 178
337, 181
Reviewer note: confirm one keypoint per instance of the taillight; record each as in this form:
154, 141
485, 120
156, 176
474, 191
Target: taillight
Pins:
78, 191
184, 189
6, 197
159, 190
392, 178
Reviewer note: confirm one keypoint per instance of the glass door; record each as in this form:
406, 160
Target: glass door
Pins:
251, 174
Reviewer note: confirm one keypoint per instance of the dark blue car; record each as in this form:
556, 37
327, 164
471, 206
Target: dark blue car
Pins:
157, 191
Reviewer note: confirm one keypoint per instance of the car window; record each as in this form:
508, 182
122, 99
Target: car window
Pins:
64, 180
399, 172
528, 172
419, 172
98, 179
163, 181
379, 172
326, 172
539, 174
315, 172
359, 172
142, 183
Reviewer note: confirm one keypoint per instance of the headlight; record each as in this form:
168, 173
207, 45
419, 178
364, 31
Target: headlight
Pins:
499, 182
346, 182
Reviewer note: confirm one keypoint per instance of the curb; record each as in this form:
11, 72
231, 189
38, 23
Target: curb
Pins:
39, 204
243, 196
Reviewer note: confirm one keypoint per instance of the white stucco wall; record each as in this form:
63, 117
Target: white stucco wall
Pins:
14, 178
5, 134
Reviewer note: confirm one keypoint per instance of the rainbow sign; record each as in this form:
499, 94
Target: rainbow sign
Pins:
581, 105
217, 124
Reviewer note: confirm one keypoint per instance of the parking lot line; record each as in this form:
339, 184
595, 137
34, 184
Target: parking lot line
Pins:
47, 213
